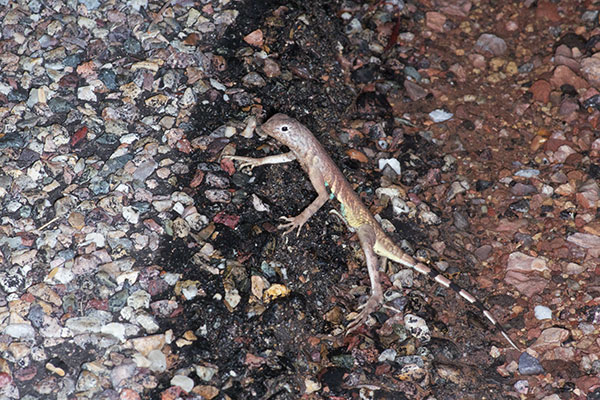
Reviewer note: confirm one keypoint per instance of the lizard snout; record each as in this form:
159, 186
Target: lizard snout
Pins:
261, 132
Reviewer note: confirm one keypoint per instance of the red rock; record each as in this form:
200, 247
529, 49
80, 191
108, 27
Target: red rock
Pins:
565, 190
414, 91
588, 93
526, 284
79, 135
533, 333
596, 145
255, 38
459, 71
157, 286
551, 337
477, 60
590, 68
184, 146
197, 179
518, 261
459, 8
128, 394
511, 26
226, 219
484, 252
553, 144
574, 269
541, 91
254, 361
521, 108
98, 304
561, 154
171, 393
547, 10
489, 43
382, 369
27, 239
588, 383
28, 297
593, 227
228, 166
435, 21
563, 51
589, 194
565, 75
25, 374
271, 68
510, 226
569, 62
5, 379
587, 241
87, 69
153, 225
564, 354
568, 107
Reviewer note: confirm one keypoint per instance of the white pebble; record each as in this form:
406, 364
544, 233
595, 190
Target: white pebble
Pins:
158, 361
86, 93
130, 214
115, 329
542, 312
139, 299
183, 382
417, 327
205, 373
387, 355
392, 162
19, 331
440, 115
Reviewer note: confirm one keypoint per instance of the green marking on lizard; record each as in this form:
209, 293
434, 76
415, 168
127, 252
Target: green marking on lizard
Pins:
331, 195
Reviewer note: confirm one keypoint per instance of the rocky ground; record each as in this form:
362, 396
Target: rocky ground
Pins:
137, 263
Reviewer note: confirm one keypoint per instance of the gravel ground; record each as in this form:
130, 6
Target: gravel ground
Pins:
136, 263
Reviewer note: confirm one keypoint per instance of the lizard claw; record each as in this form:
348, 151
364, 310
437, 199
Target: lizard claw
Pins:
367, 308
291, 224
246, 161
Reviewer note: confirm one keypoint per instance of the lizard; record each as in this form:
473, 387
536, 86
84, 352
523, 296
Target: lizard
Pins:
330, 183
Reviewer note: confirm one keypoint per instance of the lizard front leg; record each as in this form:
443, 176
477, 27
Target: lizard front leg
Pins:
255, 162
367, 238
296, 222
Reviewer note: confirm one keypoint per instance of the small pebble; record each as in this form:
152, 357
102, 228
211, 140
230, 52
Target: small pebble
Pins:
417, 327
184, 382
387, 355
158, 361
20, 331
522, 386
542, 312
392, 163
440, 116
529, 365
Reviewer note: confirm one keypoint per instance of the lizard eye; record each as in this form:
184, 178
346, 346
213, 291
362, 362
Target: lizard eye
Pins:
284, 128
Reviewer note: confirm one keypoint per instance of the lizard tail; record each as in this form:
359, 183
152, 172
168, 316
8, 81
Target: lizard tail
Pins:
385, 247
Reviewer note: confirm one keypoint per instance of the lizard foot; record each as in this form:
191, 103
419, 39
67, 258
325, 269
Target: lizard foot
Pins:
246, 161
291, 224
371, 305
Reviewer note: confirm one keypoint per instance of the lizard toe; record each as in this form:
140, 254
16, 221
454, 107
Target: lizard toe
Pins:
366, 310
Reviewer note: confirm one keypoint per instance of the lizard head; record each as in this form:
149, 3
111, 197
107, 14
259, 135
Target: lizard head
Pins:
280, 127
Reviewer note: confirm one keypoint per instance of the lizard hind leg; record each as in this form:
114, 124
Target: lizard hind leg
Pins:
366, 235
